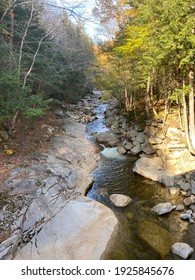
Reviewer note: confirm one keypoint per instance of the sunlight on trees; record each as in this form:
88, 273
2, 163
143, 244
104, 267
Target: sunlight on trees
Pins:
150, 58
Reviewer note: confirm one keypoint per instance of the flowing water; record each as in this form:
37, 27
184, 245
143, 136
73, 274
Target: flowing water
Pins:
140, 234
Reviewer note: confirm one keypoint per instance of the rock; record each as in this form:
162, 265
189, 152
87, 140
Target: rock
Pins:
179, 207
61, 113
121, 150
173, 191
108, 139
157, 237
185, 216
155, 140
141, 137
147, 148
136, 150
132, 134
151, 168
183, 185
128, 146
189, 200
80, 231
182, 249
163, 208
192, 207
120, 200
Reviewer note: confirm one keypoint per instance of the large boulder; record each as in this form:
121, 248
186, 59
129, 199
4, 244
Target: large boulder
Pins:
108, 139
80, 231
153, 169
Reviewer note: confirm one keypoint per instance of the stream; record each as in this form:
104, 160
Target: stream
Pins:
140, 234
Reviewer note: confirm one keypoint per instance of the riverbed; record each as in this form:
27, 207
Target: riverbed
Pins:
140, 233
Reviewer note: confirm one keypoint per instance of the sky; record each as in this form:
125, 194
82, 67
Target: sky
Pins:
85, 7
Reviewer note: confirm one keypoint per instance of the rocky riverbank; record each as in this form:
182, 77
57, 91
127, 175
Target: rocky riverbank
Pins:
43, 211
162, 156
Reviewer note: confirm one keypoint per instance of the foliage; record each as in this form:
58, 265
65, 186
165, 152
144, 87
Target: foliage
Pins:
41, 57
152, 52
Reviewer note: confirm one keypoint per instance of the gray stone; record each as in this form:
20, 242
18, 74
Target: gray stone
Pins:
120, 200
80, 231
192, 207
189, 200
185, 216
179, 207
108, 139
128, 146
147, 148
163, 208
151, 168
132, 134
136, 150
182, 249
141, 137
183, 185
121, 150
58, 170
193, 186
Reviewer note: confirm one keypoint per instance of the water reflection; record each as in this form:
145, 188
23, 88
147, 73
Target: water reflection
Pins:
140, 234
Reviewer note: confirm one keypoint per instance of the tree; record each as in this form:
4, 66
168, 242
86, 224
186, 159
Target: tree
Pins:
41, 57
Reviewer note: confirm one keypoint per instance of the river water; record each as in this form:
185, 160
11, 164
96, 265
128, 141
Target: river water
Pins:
140, 234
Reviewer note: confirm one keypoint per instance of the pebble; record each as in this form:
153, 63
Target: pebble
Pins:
173, 191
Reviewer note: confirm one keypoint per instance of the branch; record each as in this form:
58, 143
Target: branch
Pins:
23, 38
34, 59
11, 6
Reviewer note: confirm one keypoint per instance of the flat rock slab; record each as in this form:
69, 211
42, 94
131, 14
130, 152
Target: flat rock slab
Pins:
80, 231
182, 249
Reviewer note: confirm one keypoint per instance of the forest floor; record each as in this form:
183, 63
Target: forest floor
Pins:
28, 142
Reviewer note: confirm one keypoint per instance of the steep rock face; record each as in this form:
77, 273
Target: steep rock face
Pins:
80, 231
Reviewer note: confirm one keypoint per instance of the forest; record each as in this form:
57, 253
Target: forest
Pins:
45, 57
148, 61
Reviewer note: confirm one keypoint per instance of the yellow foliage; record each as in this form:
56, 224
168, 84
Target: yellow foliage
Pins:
9, 152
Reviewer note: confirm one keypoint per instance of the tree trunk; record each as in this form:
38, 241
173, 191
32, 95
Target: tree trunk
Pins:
191, 109
127, 103
11, 58
34, 59
186, 125
23, 39
147, 97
